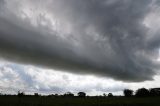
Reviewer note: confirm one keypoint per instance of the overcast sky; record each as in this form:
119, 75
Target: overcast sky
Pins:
96, 46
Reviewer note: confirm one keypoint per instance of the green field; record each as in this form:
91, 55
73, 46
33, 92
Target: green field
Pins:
90, 101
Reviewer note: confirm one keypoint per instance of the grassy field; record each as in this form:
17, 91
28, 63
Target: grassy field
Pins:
92, 101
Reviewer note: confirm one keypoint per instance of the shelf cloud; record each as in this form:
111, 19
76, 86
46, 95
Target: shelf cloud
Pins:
111, 38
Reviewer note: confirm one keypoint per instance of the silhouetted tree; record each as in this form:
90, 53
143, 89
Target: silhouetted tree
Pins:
142, 92
68, 94
36, 94
154, 92
128, 92
56, 95
104, 95
81, 94
20, 94
110, 95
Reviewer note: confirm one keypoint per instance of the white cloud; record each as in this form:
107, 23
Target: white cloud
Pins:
14, 77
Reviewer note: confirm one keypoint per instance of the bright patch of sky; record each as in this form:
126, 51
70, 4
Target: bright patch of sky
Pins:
30, 79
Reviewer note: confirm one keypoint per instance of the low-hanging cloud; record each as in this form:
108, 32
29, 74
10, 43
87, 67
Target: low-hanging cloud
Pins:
102, 37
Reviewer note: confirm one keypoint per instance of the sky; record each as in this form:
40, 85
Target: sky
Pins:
95, 46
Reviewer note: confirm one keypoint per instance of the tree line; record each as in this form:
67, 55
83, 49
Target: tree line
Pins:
141, 92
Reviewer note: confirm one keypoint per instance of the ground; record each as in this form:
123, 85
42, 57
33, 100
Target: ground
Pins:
88, 101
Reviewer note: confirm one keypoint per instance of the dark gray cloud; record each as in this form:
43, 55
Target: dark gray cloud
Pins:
101, 37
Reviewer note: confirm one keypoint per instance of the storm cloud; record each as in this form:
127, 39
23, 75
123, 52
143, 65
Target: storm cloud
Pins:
111, 38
